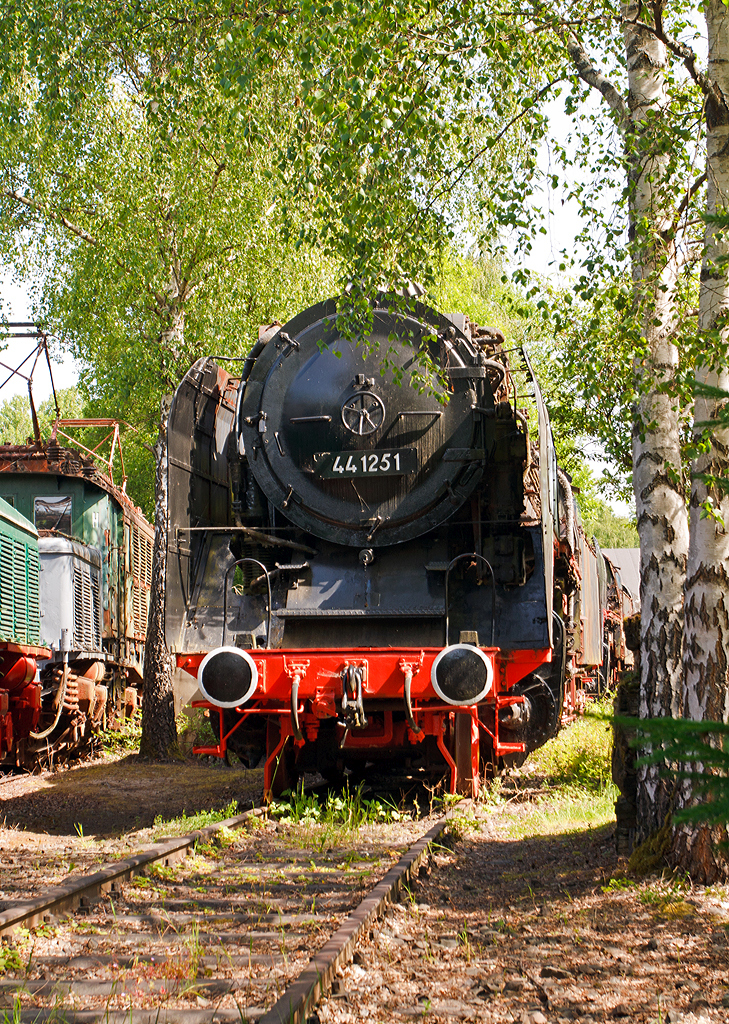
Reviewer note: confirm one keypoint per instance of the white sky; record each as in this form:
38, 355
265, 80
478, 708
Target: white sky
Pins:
15, 306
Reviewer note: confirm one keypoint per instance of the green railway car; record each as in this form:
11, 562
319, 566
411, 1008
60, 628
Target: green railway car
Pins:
93, 547
81, 509
20, 620
20, 631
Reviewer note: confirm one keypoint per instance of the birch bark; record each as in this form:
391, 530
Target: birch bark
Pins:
657, 477
706, 607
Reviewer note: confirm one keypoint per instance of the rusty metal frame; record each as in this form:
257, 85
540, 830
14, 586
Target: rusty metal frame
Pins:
114, 434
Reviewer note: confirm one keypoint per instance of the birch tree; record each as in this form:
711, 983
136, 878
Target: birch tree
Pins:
657, 457
706, 647
684, 585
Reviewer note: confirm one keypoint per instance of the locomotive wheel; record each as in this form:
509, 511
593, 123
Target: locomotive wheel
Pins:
488, 762
285, 774
466, 756
248, 742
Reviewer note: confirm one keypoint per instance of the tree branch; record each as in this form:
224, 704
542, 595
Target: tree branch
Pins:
694, 188
54, 215
590, 74
492, 141
72, 228
585, 67
682, 50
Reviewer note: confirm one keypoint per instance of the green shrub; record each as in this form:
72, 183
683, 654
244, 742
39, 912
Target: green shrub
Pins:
693, 751
579, 755
348, 809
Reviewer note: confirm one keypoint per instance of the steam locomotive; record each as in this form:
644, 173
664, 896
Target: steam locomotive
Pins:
365, 576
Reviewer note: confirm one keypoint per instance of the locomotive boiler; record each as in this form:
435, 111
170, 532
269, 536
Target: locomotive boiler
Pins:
366, 576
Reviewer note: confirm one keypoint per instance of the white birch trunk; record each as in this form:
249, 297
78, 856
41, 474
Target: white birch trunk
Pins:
706, 637
657, 476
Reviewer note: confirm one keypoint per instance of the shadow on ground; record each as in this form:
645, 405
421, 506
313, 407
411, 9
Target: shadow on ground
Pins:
112, 798
530, 872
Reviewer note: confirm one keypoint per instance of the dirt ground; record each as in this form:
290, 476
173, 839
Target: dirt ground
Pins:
512, 924
541, 929
74, 819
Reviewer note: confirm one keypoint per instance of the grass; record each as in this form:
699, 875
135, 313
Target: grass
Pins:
347, 810
575, 768
665, 897
328, 823
579, 755
181, 825
567, 812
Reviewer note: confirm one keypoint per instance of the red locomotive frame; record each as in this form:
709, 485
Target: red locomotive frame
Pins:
20, 696
319, 675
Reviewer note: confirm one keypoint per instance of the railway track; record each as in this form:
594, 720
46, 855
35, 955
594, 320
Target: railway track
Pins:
247, 920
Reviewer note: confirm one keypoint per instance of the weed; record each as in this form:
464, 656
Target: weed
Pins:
464, 939
461, 825
579, 756
83, 927
348, 810
142, 882
14, 1017
125, 739
618, 885
491, 794
10, 959
183, 824
79, 829
667, 897
163, 871
195, 950
194, 729
225, 837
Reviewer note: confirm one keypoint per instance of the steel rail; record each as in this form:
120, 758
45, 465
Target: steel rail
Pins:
68, 895
300, 997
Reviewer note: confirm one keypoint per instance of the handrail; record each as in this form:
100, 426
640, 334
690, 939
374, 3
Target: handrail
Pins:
480, 558
243, 561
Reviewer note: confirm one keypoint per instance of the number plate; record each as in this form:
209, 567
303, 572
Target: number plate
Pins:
386, 462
